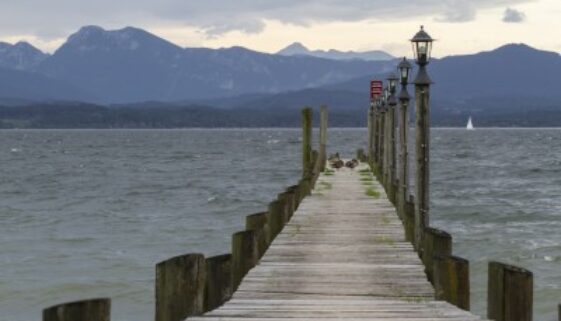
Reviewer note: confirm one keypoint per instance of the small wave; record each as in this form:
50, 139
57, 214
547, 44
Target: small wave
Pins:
273, 141
15, 150
211, 199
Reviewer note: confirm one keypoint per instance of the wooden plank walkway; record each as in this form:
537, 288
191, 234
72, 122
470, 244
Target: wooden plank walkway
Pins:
342, 256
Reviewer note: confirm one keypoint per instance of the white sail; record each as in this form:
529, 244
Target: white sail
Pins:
469, 125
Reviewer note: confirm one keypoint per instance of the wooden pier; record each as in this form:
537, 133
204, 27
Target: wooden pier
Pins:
343, 255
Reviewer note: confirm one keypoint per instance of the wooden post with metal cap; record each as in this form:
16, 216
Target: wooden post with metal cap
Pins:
404, 68
422, 44
392, 102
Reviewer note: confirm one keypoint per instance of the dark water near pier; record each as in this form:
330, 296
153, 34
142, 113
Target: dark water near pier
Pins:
89, 213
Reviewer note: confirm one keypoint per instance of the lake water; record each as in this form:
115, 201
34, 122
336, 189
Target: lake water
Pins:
88, 213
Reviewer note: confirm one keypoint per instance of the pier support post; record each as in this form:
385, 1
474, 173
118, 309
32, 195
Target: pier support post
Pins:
218, 288
451, 280
387, 150
306, 140
245, 254
404, 155
436, 242
305, 188
323, 137
422, 131
294, 202
360, 156
314, 169
258, 222
275, 217
392, 187
509, 293
409, 219
87, 310
381, 144
287, 199
370, 118
404, 68
180, 287
376, 133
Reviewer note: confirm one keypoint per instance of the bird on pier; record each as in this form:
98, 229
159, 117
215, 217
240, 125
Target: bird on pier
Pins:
334, 157
335, 161
337, 164
352, 163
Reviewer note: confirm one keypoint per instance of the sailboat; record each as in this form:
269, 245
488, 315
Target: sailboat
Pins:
469, 125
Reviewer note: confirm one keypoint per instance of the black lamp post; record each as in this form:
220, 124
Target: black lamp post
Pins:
422, 47
404, 68
392, 161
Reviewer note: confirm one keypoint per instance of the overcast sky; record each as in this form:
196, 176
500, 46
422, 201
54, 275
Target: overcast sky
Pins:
461, 26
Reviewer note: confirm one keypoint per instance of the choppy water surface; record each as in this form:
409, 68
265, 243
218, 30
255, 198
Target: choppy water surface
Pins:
89, 213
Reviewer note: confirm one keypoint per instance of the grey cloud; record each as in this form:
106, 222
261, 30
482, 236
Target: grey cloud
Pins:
215, 17
220, 27
513, 16
457, 11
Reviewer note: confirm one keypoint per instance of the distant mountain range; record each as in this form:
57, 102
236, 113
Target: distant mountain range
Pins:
131, 67
298, 49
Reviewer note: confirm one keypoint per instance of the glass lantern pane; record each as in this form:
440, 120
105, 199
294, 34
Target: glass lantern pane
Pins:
404, 73
422, 48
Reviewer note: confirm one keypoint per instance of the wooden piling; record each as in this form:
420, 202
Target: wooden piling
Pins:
323, 114
245, 254
509, 293
219, 285
409, 220
296, 192
180, 287
360, 156
376, 138
370, 118
275, 217
258, 222
422, 145
387, 150
451, 280
305, 188
87, 310
314, 169
394, 197
404, 156
306, 140
393, 156
287, 198
436, 242
382, 142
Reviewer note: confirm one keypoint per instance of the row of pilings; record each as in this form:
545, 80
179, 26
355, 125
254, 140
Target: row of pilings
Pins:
510, 288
